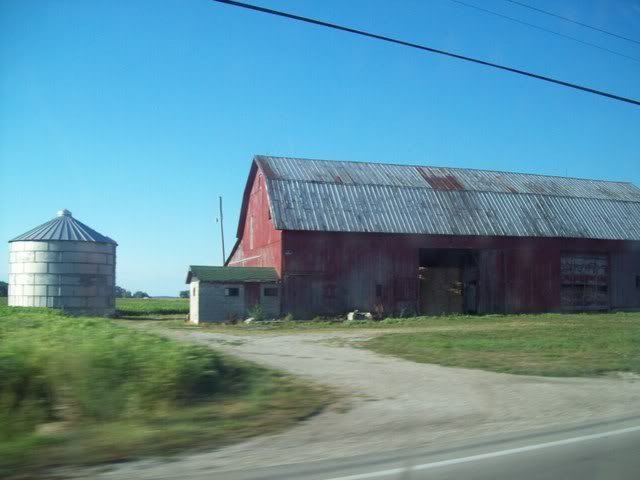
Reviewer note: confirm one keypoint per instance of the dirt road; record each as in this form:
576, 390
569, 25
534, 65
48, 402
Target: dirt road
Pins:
390, 404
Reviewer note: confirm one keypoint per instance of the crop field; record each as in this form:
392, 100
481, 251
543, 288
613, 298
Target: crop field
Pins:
152, 306
89, 390
145, 306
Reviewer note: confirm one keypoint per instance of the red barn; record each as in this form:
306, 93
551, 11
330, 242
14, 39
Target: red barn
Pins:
404, 239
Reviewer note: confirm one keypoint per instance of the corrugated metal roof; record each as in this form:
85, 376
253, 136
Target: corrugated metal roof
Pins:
232, 274
63, 227
366, 197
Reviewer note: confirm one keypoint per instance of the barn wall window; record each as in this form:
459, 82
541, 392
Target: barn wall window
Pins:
584, 281
194, 291
378, 290
270, 292
637, 281
231, 292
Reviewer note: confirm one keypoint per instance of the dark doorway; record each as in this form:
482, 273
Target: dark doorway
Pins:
448, 281
251, 295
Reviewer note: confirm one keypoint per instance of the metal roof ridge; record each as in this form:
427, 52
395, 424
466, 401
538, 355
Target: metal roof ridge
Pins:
529, 194
359, 162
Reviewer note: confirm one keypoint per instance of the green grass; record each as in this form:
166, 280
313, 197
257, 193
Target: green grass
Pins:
129, 307
338, 325
88, 390
549, 345
301, 326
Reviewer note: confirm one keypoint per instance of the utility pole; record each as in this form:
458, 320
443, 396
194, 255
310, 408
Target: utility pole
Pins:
224, 257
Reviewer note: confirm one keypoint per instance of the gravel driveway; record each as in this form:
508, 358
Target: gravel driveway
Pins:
391, 404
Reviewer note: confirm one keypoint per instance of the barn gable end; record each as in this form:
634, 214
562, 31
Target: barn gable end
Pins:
258, 243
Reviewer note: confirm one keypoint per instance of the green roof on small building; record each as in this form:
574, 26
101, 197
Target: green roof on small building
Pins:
206, 273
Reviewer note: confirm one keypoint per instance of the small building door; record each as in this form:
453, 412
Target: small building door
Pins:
251, 295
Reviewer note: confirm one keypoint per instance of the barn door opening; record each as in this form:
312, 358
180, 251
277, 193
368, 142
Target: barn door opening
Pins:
448, 281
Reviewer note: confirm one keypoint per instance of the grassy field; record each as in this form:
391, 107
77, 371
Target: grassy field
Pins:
550, 345
87, 390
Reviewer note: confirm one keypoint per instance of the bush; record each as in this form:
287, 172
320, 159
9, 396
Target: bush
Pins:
122, 292
257, 312
378, 311
82, 370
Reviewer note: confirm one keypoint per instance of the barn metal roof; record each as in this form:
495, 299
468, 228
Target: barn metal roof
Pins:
206, 273
341, 196
63, 227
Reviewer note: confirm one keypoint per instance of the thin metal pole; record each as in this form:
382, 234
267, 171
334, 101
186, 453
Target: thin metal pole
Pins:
224, 257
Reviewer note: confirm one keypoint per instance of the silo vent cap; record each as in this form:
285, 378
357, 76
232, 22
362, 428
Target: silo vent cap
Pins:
64, 213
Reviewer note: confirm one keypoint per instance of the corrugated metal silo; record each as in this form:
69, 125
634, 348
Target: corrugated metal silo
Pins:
63, 264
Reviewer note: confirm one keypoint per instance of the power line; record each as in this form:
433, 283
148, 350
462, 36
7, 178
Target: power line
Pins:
428, 49
522, 22
567, 19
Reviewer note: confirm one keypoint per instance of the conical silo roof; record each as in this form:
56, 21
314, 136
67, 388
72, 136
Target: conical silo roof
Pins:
63, 227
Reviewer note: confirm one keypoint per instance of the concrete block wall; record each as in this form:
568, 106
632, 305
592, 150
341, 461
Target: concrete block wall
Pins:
78, 277
194, 297
208, 302
270, 305
214, 306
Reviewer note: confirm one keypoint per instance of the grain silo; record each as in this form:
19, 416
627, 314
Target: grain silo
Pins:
63, 264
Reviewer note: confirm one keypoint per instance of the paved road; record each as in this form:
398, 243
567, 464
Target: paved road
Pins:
609, 450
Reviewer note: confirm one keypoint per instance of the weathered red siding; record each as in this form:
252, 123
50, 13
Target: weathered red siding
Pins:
330, 273
625, 279
259, 243
326, 273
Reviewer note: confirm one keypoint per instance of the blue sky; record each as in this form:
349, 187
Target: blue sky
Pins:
137, 115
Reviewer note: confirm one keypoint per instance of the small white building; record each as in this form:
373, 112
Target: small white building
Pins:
227, 294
